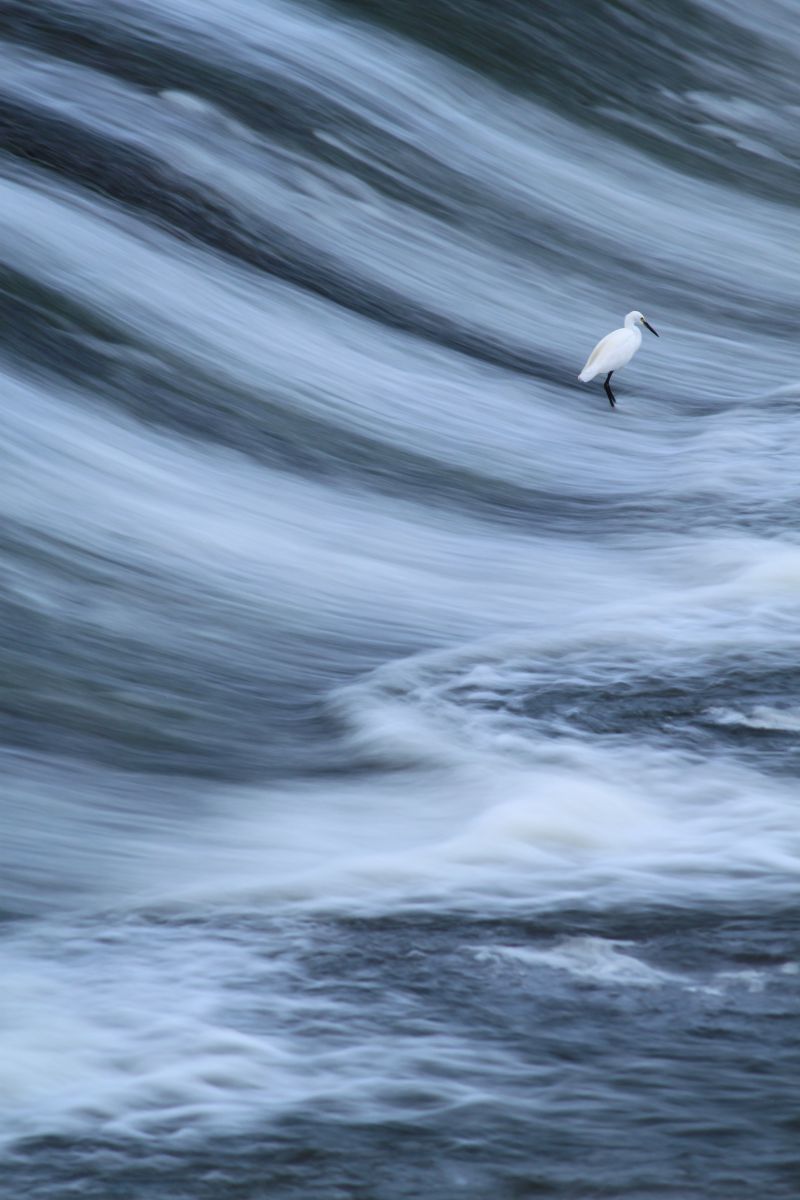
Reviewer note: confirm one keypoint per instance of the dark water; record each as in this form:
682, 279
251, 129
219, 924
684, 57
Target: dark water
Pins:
399, 746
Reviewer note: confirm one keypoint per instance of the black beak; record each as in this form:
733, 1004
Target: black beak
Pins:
647, 325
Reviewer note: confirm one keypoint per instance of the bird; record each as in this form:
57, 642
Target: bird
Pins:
615, 351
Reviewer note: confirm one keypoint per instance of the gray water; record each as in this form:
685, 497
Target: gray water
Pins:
399, 746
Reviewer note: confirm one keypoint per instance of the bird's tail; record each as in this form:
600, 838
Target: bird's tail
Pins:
587, 374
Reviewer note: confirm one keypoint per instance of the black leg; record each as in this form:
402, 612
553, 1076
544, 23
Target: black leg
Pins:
609, 392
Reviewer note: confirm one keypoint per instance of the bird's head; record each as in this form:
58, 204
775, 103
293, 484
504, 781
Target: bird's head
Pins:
637, 318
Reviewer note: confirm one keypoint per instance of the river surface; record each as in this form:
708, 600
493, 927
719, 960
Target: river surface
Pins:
399, 746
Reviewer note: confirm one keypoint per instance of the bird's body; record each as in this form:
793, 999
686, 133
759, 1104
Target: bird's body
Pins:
615, 351
611, 353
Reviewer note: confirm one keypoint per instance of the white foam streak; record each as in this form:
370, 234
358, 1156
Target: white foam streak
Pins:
615, 964
778, 720
170, 1034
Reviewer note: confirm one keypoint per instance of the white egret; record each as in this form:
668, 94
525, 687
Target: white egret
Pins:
614, 351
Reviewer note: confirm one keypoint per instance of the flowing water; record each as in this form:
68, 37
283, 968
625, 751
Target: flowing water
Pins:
399, 746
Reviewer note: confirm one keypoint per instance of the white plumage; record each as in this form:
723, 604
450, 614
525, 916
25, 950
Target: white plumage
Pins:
615, 351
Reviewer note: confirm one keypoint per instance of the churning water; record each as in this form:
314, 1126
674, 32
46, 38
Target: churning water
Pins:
399, 747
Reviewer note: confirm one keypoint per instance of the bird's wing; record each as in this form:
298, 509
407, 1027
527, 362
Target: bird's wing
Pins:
598, 350
591, 366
